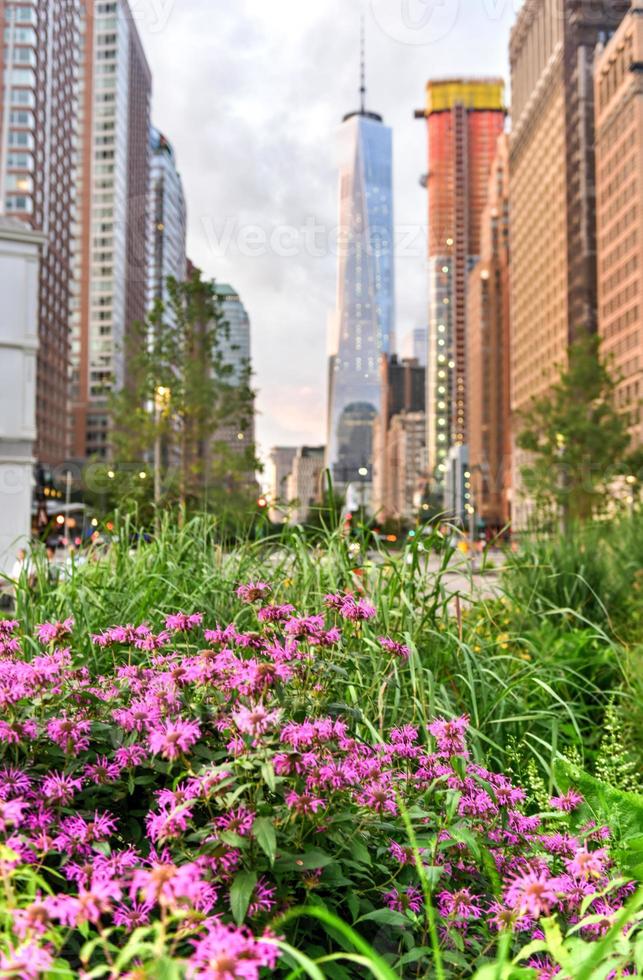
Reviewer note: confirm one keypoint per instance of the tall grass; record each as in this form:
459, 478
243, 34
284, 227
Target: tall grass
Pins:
535, 668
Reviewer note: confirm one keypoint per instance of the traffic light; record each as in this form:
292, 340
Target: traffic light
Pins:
262, 503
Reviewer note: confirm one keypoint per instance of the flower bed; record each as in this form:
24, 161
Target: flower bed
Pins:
162, 815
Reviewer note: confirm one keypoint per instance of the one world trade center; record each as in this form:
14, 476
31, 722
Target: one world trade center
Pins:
363, 327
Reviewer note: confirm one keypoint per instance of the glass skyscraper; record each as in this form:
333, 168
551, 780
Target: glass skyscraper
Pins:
363, 326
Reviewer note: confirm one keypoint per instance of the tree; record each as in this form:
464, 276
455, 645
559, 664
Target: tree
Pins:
181, 406
576, 439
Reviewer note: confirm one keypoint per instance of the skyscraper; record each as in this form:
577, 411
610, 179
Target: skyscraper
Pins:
168, 219
364, 321
112, 268
38, 110
399, 461
619, 204
464, 119
552, 188
237, 434
488, 403
235, 348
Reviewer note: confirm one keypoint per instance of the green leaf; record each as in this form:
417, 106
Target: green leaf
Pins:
268, 774
264, 831
60, 970
387, 917
360, 852
240, 894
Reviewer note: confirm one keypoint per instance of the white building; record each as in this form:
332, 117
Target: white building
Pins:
19, 273
304, 484
279, 469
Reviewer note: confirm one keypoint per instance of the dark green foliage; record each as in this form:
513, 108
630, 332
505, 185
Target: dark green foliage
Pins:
577, 440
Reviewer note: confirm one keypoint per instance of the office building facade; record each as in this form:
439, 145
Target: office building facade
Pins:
168, 220
619, 208
38, 109
112, 267
488, 400
553, 194
464, 119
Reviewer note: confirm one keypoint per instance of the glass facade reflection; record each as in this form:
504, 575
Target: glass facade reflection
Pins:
364, 320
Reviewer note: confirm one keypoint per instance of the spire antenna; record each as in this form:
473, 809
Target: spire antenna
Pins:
362, 74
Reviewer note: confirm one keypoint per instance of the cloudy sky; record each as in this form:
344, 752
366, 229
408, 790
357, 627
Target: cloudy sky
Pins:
251, 92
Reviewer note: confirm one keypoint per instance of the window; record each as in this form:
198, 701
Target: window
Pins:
21, 138
20, 161
23, 97
22, 117
20, 182
20, 203
20, 76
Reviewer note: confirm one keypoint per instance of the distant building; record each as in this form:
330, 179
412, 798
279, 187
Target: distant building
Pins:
111, 266
488, 415
464, 118
553, 218
397, 447
39, 64
364, 321
304, 483
20, 249
237, 434
280, 463
404, 464
235, 344
457, 486
168, 220
419, 343
619, 206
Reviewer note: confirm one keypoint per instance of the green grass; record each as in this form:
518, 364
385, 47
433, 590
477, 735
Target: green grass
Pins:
534, 669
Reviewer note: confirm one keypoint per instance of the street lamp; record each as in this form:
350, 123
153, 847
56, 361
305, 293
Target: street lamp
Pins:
161, 405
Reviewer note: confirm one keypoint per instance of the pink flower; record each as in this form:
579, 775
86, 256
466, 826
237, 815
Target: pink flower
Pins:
180, 622
167, 884
275, 614
239, 821
171, 738
253, 591
60, 788
28, 961
378, 795
229, 953
132, 916
130, 755
70, 734
54, 632
19, 732
397, 649
262, 898
11, 813
102, 771
304, 804
168, 823
533, 893
459, 905
13, 782
587, 864
449, 735
567, 802
256, 720
356, 610
410, 898
76, 834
